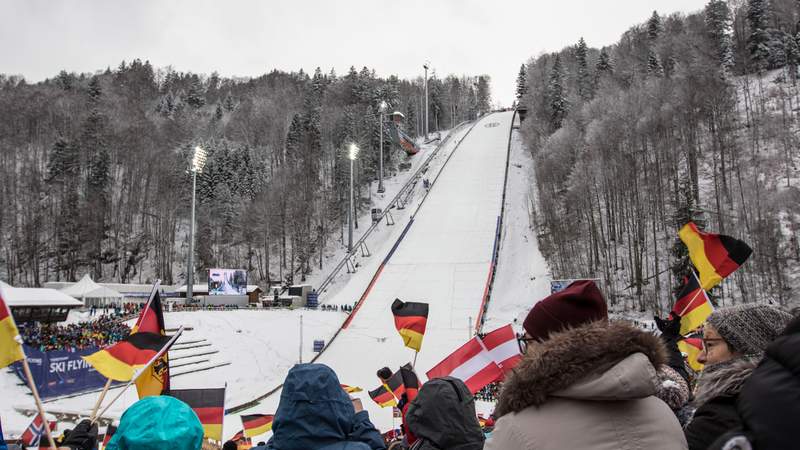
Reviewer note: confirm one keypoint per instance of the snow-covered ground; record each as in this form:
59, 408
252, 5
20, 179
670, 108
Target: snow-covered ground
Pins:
523, 276
444, 260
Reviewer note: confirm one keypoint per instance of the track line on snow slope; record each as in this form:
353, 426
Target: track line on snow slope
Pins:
256, 401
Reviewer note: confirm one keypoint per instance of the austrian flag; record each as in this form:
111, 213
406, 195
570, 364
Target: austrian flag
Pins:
502, 345
472, 364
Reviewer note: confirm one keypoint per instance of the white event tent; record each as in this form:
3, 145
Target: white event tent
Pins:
91, 293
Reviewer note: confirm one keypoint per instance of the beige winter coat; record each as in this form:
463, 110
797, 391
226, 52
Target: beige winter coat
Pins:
588, 388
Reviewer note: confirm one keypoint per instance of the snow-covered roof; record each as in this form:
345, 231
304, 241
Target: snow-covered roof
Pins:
18, 297
203, 288
87, 288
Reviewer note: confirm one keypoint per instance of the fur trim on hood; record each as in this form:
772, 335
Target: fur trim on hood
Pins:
725, 378
574, 355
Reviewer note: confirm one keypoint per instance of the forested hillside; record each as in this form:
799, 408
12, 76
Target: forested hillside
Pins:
94, 167
687, 117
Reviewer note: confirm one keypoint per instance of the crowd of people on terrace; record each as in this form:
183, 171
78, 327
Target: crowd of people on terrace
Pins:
584, 382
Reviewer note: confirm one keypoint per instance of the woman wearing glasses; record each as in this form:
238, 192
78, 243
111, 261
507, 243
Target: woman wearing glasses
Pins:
734, 340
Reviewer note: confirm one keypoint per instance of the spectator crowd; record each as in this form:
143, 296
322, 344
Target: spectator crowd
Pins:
103, 331
584, 382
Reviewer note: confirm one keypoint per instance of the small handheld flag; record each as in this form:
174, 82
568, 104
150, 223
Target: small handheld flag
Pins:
208, 404
34, 434
383, 396
692, 347
155, 379
471, 363
502, 345
693, 306
351, 389
120, 361
256, 424
714, 255
410, 319
10, 347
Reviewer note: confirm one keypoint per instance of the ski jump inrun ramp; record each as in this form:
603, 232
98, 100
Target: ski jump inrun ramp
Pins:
444, 259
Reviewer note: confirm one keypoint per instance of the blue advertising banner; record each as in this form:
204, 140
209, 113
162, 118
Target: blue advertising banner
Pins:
58, 373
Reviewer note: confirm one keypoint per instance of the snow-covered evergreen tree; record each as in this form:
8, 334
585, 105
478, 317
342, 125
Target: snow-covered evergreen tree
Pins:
195, 97
583, 77
556, 95
654, 67
604, 64
654, 26
522, 84
719, 23
758, 41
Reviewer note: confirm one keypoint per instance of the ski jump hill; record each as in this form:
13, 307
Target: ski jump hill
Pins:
444, 258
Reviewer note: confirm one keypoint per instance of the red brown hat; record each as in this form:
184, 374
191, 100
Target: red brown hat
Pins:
580, 303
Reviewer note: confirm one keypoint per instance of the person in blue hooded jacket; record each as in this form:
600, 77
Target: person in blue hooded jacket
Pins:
315, 413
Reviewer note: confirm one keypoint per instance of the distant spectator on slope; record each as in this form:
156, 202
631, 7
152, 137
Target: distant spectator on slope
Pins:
158, 423
315, 413
584, 383
443, 417
734, 340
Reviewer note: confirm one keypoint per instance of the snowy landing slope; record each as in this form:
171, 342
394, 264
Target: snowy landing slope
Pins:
443, 260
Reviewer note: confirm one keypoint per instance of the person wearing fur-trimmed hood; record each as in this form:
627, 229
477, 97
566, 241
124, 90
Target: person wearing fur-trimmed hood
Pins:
734, 340
584, 383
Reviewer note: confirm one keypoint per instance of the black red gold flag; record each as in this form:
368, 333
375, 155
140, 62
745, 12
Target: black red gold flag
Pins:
208, 404
410, 319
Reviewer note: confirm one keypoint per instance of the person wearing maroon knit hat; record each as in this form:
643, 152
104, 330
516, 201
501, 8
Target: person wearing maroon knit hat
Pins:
584, 382
580, 303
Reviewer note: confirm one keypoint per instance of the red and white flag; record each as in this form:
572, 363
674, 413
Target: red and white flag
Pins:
502, 345
471, 363
35, 433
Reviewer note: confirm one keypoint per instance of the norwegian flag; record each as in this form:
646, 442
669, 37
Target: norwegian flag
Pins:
35, 434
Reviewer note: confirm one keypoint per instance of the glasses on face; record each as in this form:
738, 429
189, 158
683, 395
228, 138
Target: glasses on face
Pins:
523, 343
705, 341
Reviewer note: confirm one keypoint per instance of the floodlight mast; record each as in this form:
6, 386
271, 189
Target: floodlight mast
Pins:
198, 163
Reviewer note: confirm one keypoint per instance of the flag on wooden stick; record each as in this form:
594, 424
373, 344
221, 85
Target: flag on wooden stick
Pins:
410, 319
714, 255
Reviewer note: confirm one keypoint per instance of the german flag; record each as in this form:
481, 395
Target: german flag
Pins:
715, 255
256, 424
693, 305
396, 385
155, 379
351, 389
410, 381
410, 320
110, 430
692, 347
121, 361
10, 348
208, 404
383, 396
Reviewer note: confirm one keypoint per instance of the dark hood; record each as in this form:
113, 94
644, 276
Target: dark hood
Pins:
444, 415
314, 411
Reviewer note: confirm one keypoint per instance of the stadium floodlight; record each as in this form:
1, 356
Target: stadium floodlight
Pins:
199, 159
382, 108
352, 154
198, 162
426, 66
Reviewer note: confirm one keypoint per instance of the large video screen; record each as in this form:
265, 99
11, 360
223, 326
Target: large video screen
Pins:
227, 282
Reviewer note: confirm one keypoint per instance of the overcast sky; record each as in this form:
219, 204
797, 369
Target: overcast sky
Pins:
38, 38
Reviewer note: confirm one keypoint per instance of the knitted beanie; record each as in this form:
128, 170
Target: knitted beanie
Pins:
748, 329
580, 303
